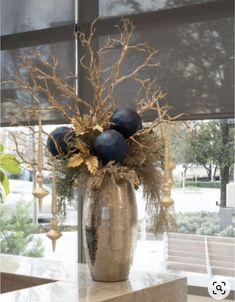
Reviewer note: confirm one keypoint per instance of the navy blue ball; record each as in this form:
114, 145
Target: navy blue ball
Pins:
59, 140
126, 121
110, 145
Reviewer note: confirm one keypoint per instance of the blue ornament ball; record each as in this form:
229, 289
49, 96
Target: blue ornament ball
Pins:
110, 145
126, 121
59, 140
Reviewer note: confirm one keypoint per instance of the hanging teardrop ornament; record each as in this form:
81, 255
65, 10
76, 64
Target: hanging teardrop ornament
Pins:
54, 233
167, 201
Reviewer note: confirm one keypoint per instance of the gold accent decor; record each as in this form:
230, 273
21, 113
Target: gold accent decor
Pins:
54, 233
40, 192
166, 200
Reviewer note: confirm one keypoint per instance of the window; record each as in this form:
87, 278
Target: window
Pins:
25, 16
47, 27
195, 43
204, 207
50, 31
23, 224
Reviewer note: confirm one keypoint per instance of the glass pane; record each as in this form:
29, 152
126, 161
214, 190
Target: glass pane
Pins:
204, 204
23, 225
130, 7
63, 51
28, 15
196, 65
204, 199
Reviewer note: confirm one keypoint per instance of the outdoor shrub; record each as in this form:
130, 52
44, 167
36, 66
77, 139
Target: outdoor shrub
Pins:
228, 232
205, 184
208, 229
203, 223
201, 184
16, 232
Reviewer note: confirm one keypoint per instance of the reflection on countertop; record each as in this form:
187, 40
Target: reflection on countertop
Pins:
75, 284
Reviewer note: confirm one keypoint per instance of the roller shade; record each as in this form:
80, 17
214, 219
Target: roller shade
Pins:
197, 64
194, 39
30, 15
14, 99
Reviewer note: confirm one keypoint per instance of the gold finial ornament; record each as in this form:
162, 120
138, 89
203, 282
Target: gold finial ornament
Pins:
166, 200
54, 233
40, 192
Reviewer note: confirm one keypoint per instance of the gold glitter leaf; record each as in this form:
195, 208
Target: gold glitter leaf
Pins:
98, 127
92, 164
82, 146
79, 127
75, 161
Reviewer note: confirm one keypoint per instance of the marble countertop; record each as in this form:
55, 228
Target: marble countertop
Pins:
74, 284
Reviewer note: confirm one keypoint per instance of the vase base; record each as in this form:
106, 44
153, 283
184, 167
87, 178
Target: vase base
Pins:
109, 280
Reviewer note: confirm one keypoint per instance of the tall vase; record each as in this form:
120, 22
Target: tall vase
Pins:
109, 230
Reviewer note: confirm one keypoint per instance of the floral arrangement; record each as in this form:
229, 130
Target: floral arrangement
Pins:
104, 140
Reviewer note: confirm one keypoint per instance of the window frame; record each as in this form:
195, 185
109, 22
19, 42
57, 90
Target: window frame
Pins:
87, 11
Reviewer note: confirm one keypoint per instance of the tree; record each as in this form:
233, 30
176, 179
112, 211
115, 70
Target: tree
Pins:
213, 144
202, 145
183, 154
16, 232
224, 153
208, 144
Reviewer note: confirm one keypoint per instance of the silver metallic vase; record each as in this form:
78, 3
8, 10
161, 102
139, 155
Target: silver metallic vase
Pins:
109, 230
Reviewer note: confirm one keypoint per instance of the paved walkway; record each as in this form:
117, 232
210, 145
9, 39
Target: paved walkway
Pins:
198, 199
